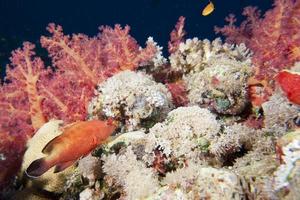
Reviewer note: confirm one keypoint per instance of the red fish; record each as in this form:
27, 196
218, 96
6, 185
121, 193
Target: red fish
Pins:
77, 140
289, 82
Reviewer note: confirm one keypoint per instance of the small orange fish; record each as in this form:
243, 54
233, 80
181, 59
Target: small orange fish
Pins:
209, 8
77, 140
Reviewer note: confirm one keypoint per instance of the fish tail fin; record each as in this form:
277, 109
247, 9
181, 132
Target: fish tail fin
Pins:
37, 168
62, 166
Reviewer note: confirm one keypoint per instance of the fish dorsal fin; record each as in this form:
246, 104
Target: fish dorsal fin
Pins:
50, 145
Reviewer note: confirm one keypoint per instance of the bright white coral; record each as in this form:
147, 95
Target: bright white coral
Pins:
222, 87
194, 55
131, 96
180, 133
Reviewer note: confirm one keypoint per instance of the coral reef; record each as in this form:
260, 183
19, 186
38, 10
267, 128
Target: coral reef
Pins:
184, 128
90, 168
132, 96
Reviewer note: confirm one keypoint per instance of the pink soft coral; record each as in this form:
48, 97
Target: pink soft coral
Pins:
274, 39
121, 51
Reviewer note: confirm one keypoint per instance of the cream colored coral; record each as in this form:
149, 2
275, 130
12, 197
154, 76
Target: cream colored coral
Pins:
137, 180
49, 181
131, 96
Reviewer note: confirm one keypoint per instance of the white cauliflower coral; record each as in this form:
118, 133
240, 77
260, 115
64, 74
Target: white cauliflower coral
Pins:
185, 133
222, 87
132, 96
194, 55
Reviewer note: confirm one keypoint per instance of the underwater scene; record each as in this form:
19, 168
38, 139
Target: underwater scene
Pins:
166, 100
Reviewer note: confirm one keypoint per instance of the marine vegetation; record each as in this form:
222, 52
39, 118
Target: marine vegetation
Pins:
110, 119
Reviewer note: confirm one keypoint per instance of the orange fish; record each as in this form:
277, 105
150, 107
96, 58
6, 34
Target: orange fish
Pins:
209, 8
289, 82
77, 140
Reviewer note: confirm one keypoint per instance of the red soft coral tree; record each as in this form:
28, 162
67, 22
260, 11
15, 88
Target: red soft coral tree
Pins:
274, 38
32, 94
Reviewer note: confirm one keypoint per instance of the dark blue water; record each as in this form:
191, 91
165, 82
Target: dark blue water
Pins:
26, 20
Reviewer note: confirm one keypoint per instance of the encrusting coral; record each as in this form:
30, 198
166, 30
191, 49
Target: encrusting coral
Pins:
222, 87
132, 96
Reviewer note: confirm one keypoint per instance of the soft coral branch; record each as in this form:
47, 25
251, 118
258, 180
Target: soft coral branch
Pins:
77, 53
21, 91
